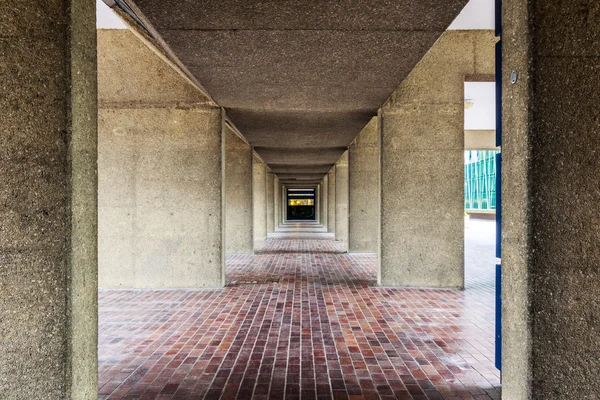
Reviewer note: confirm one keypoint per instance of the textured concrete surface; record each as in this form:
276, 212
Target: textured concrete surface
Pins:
324, 201
363, 204
48, 269
276, 202
160, 174
422, 162
270, 195
341, 198
259, 200
300, 74
480, 140
238, 194
331, 200
551, 247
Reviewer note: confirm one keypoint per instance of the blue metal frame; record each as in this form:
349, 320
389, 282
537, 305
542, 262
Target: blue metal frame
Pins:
498, 333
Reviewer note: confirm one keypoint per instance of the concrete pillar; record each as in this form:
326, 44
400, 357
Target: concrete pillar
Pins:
324, 200
341, 198
48, 234
363, 165
422, 164
331, 204
318, 203
259, 200
550, 193
277, 202
160, 170
270, 196
238, 194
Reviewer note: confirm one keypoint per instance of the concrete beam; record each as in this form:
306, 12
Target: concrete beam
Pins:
480, 140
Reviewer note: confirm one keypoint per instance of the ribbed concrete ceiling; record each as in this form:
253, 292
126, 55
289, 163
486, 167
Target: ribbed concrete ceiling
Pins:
300, 78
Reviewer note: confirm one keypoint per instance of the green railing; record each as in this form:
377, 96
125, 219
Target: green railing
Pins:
480, 180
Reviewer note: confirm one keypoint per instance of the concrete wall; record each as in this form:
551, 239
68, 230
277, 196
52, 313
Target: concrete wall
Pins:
270, 194
331, 204
238, 194
259, 200
48, 265
550, 193
480, 140
341, 198
363, 164
422, 186
160, 172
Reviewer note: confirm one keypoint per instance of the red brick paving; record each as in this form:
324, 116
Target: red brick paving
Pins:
323, 331
308, 245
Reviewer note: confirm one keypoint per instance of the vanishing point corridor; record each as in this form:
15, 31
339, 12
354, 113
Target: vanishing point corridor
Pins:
301, 320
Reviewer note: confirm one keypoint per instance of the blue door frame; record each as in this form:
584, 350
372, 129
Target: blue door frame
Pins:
498, 332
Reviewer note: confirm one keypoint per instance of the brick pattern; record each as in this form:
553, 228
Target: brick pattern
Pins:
301, 246
323, 331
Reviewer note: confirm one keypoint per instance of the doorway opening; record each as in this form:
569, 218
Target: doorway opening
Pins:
301, 204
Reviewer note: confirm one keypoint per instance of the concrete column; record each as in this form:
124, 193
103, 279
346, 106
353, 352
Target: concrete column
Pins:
550, 193
422, 164
270, 196
160, 169
259, 200
238, 194
363, 156
284, 204
331, 204
318, 203
324, 200
277, 203
48, 234
341, 198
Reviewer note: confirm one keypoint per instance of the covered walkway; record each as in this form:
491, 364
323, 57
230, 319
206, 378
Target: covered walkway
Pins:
309, 325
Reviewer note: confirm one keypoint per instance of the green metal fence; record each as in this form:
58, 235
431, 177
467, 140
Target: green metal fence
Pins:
480, 180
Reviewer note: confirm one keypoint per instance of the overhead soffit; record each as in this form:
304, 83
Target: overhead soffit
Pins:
300, 79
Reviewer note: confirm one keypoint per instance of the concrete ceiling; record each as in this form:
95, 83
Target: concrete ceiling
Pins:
300, 78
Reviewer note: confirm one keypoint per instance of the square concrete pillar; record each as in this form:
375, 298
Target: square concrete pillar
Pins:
259, 200
422, 164
551, 197
48, 233
331, 200
161, 172
277, 202
364, 203
341, 198
270, 196
324, 200
282, 205
318, 203
238, 194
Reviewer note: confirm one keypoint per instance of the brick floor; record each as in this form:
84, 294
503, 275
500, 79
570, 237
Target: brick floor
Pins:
314, 326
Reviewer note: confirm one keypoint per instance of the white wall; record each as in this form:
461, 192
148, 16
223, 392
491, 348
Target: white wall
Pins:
482, 116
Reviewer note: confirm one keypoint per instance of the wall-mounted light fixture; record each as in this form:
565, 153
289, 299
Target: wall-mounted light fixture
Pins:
469, 103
